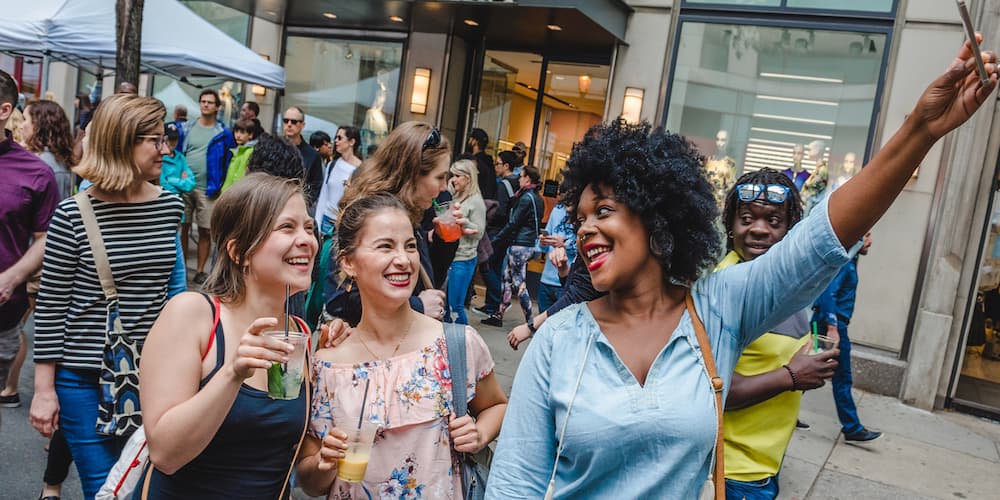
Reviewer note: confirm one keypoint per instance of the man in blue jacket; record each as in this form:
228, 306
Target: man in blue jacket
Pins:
207, 144
834, 309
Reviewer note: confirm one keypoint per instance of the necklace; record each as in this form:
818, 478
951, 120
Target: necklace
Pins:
394, 351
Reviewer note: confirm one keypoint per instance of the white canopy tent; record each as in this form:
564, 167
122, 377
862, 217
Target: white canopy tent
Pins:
175, 41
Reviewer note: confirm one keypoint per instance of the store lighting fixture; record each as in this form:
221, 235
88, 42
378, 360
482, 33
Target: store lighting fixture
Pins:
793, 119
583, 84
329, 15
396, 19
791, 133
421, 89
258, 90
797, 101
470, 22
632, 104
804, 78
553, 27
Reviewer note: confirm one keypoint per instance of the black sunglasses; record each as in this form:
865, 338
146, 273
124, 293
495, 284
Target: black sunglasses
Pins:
293, 121
433, 140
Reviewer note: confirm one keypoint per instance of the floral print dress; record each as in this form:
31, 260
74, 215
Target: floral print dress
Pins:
409, 397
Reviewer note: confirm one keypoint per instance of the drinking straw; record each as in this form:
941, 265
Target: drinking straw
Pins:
815, 335
364, 399
287, 292
437, 208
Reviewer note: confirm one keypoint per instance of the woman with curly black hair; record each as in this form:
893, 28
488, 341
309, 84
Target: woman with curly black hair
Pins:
612, 399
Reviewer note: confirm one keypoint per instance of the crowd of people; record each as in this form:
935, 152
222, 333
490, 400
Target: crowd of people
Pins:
658, 348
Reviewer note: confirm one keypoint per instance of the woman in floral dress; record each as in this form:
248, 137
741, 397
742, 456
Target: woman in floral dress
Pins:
393, 371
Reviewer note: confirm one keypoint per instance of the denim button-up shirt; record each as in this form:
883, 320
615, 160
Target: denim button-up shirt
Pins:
624, 440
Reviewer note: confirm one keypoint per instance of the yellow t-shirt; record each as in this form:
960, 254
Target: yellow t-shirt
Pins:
757, 436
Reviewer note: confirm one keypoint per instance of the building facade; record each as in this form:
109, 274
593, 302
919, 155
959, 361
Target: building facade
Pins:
788, 84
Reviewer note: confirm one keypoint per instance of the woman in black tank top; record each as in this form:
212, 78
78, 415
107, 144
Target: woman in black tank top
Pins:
212, 430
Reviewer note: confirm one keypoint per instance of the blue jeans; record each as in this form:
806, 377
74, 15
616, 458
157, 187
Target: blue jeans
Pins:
847, 412
765, 489
459, 277
93, 453
547, 295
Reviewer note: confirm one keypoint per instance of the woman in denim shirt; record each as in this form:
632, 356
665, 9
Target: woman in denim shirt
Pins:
643, 421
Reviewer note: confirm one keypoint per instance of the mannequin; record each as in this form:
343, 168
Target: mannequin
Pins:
847, 170
227, 107
797, 173
816, 184
376, 126
721, 168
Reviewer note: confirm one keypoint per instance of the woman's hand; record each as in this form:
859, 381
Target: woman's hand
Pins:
44, 414
552, 240
957, 94
456, 211
257, 351
334, 333
557, 256
812, 370
465, 434
519, 334
334, 448
433, 303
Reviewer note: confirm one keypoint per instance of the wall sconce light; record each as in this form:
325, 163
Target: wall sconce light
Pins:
583, 84
258, 90
632, 104
421, 89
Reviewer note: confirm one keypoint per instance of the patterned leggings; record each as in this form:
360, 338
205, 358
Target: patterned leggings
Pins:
513, 279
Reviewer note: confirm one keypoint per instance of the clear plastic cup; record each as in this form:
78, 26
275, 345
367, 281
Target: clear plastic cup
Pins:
352, 467
284, 380
822, 344
447, 228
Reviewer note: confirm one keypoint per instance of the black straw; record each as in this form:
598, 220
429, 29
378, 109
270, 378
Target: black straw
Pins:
364, 399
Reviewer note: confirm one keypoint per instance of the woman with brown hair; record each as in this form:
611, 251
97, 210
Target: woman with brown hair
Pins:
137, 222
47, 133
211, 428
411, 164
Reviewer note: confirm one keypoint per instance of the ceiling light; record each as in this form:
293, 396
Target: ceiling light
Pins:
801, 77
270, 12
798, 101
583, 84
554, 27
329, 15
791, 133
396, 19
559, 77
793, 119
470, 22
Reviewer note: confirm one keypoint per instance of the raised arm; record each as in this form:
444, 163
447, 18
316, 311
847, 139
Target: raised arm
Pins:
947, 103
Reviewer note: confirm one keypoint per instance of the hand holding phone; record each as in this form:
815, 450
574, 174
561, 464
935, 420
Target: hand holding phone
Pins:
970, 33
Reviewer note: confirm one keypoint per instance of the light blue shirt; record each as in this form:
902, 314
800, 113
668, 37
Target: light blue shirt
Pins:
560, 225
624, 440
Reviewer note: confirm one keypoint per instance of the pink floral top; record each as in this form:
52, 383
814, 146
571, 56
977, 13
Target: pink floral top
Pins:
409, 396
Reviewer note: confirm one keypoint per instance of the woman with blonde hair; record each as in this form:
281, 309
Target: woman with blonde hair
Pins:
411, 164
464, 187
137, 223
212, 430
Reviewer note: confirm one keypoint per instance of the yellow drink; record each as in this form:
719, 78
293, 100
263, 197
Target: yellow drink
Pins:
352, 469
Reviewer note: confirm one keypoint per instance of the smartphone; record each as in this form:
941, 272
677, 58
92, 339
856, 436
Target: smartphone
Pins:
970, 33
543, 232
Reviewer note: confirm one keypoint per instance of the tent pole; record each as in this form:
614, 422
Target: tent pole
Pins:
45, 73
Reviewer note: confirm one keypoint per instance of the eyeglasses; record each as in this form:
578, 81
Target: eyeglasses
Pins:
773, 193
161, 139
433, 140
293, 121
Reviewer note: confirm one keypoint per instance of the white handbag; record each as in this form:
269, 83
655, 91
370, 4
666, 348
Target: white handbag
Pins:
127, 471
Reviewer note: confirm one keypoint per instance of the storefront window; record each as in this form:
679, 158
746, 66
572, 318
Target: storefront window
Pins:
768, 3
841, 5
786, 98
226, 19
339, 82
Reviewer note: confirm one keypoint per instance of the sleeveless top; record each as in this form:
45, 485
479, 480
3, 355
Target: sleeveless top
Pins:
249, 456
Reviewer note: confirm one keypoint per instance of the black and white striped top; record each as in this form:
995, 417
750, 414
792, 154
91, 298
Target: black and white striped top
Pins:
71, 313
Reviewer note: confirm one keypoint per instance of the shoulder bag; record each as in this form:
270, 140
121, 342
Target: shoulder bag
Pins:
474, 467
118, 412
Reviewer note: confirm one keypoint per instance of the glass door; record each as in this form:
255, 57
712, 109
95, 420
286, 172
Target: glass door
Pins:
507, 96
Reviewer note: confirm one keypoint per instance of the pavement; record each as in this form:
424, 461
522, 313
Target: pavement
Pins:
922, 455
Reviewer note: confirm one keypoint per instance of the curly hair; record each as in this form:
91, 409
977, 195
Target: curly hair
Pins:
278, 157
658, 176
765, 176
51, 130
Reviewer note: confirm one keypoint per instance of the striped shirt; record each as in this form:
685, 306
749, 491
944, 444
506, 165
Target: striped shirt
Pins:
70, 319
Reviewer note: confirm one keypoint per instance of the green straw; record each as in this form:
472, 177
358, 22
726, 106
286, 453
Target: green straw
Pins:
815, 335
437, 208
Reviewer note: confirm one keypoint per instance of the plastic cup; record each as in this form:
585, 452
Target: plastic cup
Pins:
352, 467
823, 344
447, 228
285, 379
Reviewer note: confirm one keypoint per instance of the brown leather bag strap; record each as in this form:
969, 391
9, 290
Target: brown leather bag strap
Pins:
719, 476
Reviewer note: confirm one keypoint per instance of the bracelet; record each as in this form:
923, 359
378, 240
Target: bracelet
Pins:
795, 380
531, 327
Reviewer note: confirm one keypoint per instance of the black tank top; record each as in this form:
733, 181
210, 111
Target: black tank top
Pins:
249, 456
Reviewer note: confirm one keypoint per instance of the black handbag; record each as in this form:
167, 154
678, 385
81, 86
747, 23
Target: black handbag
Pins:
118, 412
475, 467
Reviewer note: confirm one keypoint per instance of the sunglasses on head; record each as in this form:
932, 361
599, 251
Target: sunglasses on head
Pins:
293, 121
771, 193
433, 140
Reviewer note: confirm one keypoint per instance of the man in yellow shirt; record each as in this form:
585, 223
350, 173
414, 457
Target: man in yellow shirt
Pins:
764, 397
